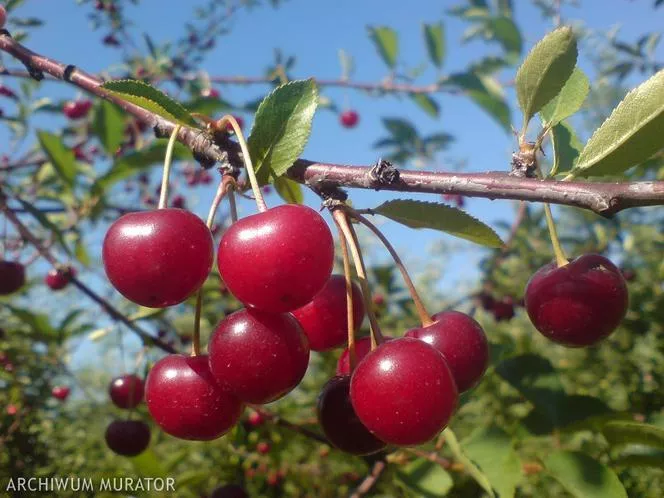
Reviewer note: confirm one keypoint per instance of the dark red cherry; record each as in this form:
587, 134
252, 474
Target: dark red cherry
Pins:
60, 392
404, 392
126, 391
255, 419
263, 448
503, 310
349, 118
229, 491
158, 258
57, 279
277, 260
12, 277
258, 356
128, 437
77, 109
578, 304
362, 348
186, 402
324, 319
340, 423
462, 342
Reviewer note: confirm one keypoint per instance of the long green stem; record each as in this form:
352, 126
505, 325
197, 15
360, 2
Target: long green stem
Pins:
561, 258
163, 195
352, 355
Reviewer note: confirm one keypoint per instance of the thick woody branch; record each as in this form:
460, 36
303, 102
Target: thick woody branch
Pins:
605, 198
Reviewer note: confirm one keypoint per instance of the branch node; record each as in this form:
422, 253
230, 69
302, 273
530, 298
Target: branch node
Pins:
524, 162
67, 73
383, 173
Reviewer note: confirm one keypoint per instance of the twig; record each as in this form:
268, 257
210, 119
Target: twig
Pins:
370, 480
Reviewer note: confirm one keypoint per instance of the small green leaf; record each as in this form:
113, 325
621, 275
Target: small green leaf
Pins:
148, 97
566, 148
46, 223
506, 32
289, 190
281, 128
625, 432
583, 476
420, 214
60, 156
426, 103
493, 450
401, 130
426, 479
39, 324
109, 126
472, 469
434, 37
630, 135
480, 90
544, 72
387, 44
568, 101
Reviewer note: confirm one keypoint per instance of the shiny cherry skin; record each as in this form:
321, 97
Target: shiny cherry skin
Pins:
462, 342
340, 423
58, 279
126, 391
324, 319
362, 348
128, 437
258, 356
349, 118
277, 260
186, 402
12, 277
229, 491
404, 392
578, 304
77, 109
158, 258
60, 392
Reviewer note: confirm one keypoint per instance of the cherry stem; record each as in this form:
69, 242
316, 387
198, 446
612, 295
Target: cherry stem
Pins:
231, 201
163, 195
341, 219
249, 166
352, 356
422, 312
561, 258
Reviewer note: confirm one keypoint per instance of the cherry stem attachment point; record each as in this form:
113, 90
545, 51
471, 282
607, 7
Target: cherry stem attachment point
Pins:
352, 355
163, 195
561, 258
422, 312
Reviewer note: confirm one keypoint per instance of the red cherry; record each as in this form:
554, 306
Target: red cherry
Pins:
503, 310
277, 260
12, 277
158, 258
3, 16
77, 109
179, 202
263, 448
185, 401
258, 356
324, 318
578, 304
60, 392
128, 437
273, 479
126, 391
7, 92
349, 118
211, 93
462, 342
255, 419
229, 491
339, 421
404, 392
240, 123
110, 40
11, 409
362, 348
455, 199
58, 279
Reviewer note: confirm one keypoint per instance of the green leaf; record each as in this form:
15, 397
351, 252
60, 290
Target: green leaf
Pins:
207, 105
506, 32
420, 214
566, 148
426, 103
60, 156
485, 95
544, 72
401, 130
148, 465
493, 450
148, 97
625, 432
281, 128
46, 223
472, 469
630, 135
39, 324
434, 37
568, 101
426, 479
583, 476
289, 190
109, 126
387, 43
640, 456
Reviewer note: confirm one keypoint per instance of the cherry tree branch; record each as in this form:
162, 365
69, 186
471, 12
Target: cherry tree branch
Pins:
605, 198
370, 480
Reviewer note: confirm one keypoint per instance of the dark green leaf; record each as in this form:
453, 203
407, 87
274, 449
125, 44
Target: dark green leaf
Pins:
630, 135
289, 190
281, 128
109, 126
566, 148
583, 476
60, 156
640, 456
207, 105
472, 469
401, 130
568, 101
507, 34
434, 37
387, 43
479, 90
544, 72
625, 432
148, 97
426, 103
426, 479
38, 324
419, 214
